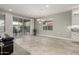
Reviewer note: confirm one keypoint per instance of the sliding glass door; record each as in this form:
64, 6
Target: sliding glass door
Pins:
20, 26
26, 25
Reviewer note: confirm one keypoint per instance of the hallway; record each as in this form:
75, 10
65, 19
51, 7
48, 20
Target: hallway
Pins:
37, 45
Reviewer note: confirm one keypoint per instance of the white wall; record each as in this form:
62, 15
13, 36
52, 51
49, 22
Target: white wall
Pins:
2, 19
31, 26
75, 21
60, 23
9, 24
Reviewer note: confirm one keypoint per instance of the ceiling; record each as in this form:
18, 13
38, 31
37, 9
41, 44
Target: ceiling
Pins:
36, 10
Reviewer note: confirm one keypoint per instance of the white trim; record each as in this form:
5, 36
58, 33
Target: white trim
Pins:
57, 37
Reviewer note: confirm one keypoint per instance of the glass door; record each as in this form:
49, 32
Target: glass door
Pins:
26, 25
21, 26
17, 26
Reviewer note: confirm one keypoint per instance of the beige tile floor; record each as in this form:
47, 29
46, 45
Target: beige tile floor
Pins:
18, 50
38, 45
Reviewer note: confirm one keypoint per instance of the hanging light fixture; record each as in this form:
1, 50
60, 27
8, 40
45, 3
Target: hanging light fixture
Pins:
38, 19
42, 19
40, 22
75, 11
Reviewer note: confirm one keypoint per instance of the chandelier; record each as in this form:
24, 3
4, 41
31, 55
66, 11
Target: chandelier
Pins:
40, 20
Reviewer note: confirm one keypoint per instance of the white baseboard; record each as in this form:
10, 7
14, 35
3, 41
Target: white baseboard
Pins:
56, 37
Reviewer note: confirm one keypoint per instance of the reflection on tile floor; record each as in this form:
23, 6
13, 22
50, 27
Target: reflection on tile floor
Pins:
37, 45
19, 50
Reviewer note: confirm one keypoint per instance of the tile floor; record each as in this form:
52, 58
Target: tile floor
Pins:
18, 50
37, 45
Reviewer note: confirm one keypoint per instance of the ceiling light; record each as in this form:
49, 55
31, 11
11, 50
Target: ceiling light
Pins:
47, 6
10, 9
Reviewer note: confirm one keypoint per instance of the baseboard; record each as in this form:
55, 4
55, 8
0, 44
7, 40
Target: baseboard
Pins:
56, 37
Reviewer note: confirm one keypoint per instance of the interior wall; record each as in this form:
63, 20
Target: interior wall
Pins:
75, 21
60, 23
31, 26
2, 19
9, 24
8, 29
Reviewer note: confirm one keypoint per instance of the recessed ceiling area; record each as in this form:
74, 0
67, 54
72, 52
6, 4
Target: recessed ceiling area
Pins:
36, 10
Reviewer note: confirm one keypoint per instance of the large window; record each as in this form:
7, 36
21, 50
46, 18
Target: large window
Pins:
26, 26
48, 25
2, 19
20, 26
17, 25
